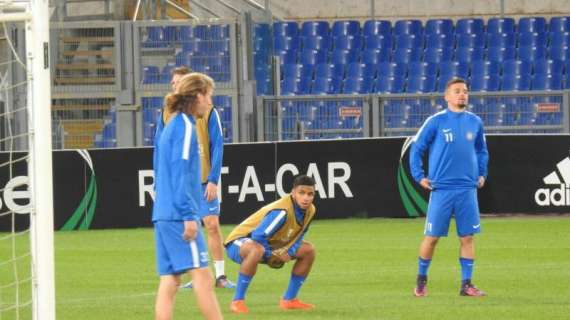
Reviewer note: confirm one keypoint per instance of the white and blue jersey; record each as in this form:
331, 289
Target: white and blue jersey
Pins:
457, 157
178, 192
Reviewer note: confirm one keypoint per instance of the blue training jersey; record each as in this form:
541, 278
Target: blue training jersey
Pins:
177, 172
157, 133
216, 138
457, 150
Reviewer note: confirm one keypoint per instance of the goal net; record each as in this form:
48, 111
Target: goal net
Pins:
26, 208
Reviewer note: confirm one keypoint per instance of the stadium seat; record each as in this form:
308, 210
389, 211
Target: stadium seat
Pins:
513, 82
285, 43
378, 42
501, 25
560, 39
417, 68
407, 55
439, 26
394, 114
346, 28
151, 75
165, 74
222, 31
442, 80
315, 28
285, 29
546, 82
344, 56
263, 86
532, 39
391, 69
185, 33
305, 85
440, 40
408, 27
517, 67
420, 84
351, 42
323, 86
532, 25
485, 83
409, 41
485, 68
501, 40
377, 27
361, 70
357, 85
454, 69
465, 54
500, 54
470, 25
560, 24
289, 56
291, 70
289, 86
437, 55
559, 53
389, 85
309, 56
201, 32
470, 40
547, 66
376, 56
260, 30
155, 38
531, 53
316, 43
328, 70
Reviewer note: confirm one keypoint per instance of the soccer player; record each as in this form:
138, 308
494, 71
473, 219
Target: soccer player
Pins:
458, 158
274, 235
180, 245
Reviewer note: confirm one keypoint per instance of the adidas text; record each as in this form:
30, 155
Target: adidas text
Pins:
556, 197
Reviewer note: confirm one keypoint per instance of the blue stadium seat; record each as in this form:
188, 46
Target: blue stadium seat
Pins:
323, 86
547, 66
201, 32
517, 67
417, 68
392, 69
171, 33
291, 70
348, 42
361, 70
357, 85
531, 53
307, 71
316, 42
315, 28
511, 82
185, 33
546, 82
442, 81
463, 54
346, 28
559, 53
560, 24
420, 84
501, 25
408, 27
313, 56
454, 69
155, 38
409, 41
220, 46
560, 39
485, 68
263, 87
394, 114
285, 43
470, 25
376, 56
439, 26
500, 54
329, 70
532, 25
389, 84
407, 55
285, 29
501, 40
222, 31
437, 55
566, 80
260, 30
344, 56
485, 83
151, 75
305, 85
532, 39
440, 40
165, 74
289, 86
470, 40
378, 42
376, 27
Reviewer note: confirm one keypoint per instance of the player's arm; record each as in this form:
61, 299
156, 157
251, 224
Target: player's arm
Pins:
292, 252
216, 154
420, 145
482, 155
272, 222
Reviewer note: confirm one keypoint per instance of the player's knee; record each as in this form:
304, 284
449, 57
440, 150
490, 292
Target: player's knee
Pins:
307, 250
253, 249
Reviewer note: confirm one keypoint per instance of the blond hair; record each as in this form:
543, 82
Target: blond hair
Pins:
187, 90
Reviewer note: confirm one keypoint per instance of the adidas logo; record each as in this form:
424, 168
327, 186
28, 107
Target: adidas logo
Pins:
557, 196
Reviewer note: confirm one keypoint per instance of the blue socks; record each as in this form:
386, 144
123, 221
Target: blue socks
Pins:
295, 284
241, 287
466, 269
423, 266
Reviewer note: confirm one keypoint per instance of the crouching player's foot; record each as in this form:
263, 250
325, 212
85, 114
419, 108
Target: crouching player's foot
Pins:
295, 304
223, 282
469, 290
421, 287
238, 306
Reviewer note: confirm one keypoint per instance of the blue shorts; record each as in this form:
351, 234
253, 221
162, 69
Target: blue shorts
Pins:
174, 255
208, 208
232, 249
461, 203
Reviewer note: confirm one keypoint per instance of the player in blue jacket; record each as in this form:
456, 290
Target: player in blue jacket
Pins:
180, 245
458, 158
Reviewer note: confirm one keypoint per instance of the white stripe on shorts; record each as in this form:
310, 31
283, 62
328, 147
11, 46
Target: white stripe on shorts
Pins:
194, 251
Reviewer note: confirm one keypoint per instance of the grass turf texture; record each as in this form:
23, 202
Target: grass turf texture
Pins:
365, 269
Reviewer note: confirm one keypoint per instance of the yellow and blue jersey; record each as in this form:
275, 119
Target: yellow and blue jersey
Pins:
211, 143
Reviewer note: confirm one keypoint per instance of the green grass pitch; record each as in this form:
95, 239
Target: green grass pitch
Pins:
365, 269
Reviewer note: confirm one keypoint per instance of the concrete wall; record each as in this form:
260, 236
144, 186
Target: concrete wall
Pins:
423, 9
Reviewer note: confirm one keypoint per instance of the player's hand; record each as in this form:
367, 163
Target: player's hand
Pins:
211, 192
190, 230
426, 184
284, 256
481, 182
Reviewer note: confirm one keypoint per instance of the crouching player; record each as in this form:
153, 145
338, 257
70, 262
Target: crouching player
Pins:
274, 235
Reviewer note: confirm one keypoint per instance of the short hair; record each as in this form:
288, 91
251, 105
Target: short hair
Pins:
181, 70
455, 80
303, 180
